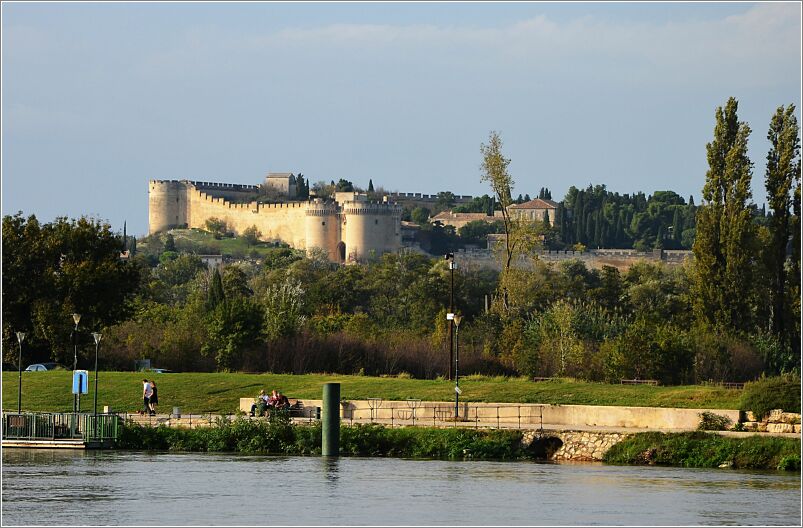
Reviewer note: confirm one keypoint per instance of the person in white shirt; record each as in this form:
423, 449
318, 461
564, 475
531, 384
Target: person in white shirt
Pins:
147, 392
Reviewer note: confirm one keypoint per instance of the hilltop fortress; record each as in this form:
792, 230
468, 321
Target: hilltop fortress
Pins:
349, 229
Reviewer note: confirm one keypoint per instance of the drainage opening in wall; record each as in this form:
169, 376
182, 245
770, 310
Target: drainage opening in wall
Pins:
544, 447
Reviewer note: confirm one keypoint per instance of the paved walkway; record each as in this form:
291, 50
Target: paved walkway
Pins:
203, 420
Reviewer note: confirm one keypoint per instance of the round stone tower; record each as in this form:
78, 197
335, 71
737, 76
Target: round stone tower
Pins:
323, 228
370, 229
167, 205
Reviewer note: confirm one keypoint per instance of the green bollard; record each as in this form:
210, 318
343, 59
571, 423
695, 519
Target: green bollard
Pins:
330, 443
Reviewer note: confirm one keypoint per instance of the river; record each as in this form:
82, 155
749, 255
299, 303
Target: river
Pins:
60, 487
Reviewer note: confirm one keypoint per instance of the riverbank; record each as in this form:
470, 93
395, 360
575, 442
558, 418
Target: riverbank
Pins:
280, 437
707, 450
218, 393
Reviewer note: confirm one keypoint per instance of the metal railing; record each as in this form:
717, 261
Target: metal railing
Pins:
416, 412
60, 426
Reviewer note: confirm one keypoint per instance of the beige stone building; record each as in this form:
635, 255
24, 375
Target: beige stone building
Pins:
537, 209
350, 229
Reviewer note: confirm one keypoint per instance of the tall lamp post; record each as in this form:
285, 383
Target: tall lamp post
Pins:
450, 259
457, 391
97, 336
20, 339
76, 401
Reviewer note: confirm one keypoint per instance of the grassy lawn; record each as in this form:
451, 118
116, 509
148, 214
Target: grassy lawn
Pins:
219, 392
226, 246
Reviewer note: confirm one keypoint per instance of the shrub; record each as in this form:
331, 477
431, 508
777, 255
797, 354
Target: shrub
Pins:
713, 422
764, 395
789, 463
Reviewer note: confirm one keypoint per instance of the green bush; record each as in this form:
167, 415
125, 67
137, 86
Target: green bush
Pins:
764, 395
279, 436
713, 422
790, 463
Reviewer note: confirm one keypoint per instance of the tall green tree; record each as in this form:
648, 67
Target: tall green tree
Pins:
783, 171
725, 234
53, 270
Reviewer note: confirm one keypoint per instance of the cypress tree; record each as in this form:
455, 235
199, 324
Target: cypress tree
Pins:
588, 235
215, 296
579, 225
370, 185
677, 224
725, 235
659, 238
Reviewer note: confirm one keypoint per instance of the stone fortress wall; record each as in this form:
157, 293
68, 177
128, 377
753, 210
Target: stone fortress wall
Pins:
351, 230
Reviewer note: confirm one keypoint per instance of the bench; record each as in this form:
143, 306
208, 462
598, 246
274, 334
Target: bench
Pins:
296, 408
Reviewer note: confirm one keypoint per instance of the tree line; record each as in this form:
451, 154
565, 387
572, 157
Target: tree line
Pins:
730, 314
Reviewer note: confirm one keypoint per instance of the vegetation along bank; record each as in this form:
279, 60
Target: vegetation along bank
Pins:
279, 437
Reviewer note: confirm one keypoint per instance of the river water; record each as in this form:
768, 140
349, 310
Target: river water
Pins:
60, 487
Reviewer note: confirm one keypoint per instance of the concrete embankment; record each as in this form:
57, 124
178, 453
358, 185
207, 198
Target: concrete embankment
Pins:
562, 432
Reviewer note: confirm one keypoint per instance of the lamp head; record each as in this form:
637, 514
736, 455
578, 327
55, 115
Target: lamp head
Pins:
77, 318
449, 256
97, 336
457, 320
20, 337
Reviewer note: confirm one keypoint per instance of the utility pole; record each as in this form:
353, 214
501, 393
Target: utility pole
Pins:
450, 259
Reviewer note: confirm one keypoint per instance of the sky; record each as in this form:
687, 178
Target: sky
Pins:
99, 98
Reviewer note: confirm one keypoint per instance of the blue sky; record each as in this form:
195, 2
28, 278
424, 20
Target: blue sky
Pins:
99, 98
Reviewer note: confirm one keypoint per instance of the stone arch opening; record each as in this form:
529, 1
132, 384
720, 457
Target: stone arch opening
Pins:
341, 252
545, 447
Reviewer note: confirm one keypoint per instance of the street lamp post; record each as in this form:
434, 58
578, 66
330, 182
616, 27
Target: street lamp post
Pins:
450, 258
76, 399
20, 339
457, 391
97, 336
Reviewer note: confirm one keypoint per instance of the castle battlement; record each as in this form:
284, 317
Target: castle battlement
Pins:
371, 208
348, 232
420, 197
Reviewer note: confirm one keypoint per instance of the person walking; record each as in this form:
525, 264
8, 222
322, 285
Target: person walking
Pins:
147, 392
154, 399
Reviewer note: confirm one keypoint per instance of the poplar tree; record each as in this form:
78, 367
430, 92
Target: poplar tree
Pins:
494, 171
725, 234
783, 172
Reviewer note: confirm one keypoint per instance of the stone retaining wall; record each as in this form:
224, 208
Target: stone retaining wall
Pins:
576, 445
522, 415
777, 422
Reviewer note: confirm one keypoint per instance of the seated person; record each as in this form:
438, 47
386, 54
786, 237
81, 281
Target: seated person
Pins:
260, 401
282, 402
274, 397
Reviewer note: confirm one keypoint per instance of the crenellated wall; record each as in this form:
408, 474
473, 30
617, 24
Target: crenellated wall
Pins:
364, 228
282, 221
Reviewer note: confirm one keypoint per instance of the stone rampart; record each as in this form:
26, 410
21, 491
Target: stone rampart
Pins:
279, 221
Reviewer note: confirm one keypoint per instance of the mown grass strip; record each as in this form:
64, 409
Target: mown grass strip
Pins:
220, 392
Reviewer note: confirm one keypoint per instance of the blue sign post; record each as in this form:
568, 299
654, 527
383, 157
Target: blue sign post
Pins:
80, 384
